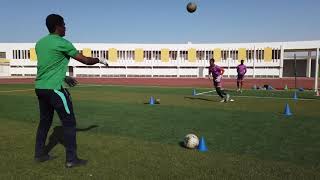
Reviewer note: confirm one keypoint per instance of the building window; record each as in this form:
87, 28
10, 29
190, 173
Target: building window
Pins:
127, 55
250, 54
259, 55
276, 54
234, 54
224, 55
209, 55
2, 55
28, 54
184, 55
156, 55
130, 55
95, 54
104, 54
173, 55
200, 55
147, 55
118, 54
121, 55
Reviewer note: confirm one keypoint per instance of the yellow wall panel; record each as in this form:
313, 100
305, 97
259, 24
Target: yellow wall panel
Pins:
242, 54
268, 54
138, 55
217, 54
33, 54
112, 55
87, 52
192, 55
4, 60
165, 55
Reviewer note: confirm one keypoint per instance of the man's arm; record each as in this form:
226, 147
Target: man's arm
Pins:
67, 47
89, 60
209, 74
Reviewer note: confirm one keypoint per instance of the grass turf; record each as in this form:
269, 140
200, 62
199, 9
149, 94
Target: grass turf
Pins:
247, 139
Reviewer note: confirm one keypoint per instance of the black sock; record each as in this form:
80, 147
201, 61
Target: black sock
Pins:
220, 92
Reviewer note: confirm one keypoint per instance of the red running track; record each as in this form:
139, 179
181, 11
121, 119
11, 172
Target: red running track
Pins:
306, 83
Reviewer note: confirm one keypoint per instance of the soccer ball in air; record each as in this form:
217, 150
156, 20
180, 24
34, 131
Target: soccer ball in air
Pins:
191, 7
191, 141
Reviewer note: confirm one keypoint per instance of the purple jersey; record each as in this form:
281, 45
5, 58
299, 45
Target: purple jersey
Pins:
241, 69
215, 71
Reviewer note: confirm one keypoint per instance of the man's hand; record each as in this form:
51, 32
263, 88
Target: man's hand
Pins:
103, 61
70, 81
218, 79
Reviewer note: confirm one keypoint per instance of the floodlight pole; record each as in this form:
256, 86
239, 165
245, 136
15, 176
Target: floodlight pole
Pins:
316, 75
295, 71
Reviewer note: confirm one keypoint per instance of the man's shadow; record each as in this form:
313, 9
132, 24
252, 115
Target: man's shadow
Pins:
197, 98
57, 137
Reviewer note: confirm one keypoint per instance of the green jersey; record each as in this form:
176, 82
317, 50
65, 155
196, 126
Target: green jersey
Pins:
53, 54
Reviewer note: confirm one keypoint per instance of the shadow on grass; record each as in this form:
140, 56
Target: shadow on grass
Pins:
149, 103
198, 98
181, 144
57, 137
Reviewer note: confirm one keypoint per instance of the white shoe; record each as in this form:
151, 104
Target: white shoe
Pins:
222, 100
231, 100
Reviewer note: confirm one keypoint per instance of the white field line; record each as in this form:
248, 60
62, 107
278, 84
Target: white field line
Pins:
259, 97
142, 86
204, 92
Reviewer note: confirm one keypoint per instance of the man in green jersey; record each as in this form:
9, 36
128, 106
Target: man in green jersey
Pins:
53, 53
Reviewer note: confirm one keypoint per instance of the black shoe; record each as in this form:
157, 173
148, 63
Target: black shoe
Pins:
43, 158
76, 163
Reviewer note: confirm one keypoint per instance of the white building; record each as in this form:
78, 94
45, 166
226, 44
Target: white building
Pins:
264, 60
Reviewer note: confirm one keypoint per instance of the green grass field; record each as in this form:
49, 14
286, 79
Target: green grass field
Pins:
247, 139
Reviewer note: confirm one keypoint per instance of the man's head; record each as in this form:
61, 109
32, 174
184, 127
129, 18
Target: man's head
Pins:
242, 61
55, 24
211, 62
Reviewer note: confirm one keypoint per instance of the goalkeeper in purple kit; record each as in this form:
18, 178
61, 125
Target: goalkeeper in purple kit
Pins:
215, 74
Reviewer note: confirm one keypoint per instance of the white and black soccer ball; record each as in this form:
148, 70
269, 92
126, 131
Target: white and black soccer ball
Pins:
191, 141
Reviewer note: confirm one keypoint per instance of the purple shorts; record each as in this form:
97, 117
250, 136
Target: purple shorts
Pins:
240, 77
216, 84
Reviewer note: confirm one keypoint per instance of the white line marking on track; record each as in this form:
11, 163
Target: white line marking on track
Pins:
260, 97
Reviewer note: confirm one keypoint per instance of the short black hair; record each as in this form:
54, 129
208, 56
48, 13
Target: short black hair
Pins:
212, 60
52, 21
242, 61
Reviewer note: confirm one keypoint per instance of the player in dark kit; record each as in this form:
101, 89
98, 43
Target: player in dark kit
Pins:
215, 74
